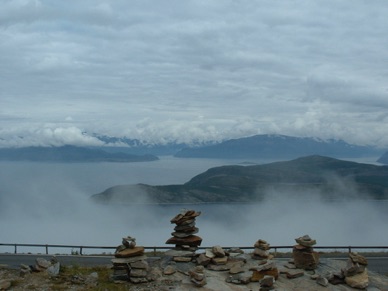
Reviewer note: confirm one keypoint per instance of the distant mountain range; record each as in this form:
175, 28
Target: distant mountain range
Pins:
254, 147
278, 146
138, 147
330, 178
69, 154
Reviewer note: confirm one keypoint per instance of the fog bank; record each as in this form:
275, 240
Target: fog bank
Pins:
48, 206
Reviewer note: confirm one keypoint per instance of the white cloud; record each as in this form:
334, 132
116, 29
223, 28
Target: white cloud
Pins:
49, 136
290, 67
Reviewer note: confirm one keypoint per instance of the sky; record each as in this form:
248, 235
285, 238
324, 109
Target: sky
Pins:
192, 70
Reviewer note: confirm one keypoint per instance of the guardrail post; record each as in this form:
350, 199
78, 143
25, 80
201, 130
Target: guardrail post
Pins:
16, 250
80, 251
154, 251
46, 249
350, 249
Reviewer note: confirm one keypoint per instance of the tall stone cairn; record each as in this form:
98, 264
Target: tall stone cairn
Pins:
183, 237
304, 255
130, 262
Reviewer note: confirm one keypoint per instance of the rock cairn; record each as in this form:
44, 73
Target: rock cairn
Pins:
130, 262
42, 265
197, 276
183, 237
215, 258
304, 255
355, 273
261, 251
261, 271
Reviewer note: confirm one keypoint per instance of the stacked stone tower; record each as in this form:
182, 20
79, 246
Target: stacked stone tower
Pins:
183, 237
304, 255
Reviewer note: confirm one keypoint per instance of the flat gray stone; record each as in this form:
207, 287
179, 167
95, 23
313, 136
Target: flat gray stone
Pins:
179, 253
128, 260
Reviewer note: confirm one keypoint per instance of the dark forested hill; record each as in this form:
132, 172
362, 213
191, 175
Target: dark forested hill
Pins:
331, 178
277, 146
68, 154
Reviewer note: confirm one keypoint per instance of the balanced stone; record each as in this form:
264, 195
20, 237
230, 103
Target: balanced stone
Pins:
180, 253
41, 264
191, 240
197, 276
142, 264
261, 250
355, 272
307, 260
130, 263
356, 258
128, 260
203, 260
185, 232
262, 244
359, 281
306, 241
184, 216
130, 252
129, 242
218, 251
219, 260
186, 228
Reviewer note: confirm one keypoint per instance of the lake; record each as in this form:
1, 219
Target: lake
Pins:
48, 203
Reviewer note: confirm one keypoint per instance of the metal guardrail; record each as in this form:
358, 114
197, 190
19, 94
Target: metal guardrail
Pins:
156, 248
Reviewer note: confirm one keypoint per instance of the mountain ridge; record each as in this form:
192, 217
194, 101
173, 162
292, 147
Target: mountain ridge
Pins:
278, 146
69, 153
265, 146
330, 178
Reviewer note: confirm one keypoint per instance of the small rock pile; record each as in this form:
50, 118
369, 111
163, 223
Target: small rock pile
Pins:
197, 276
130, 262
183, 237
355, 273
51, 267
215, 259
261, 251
304, 255
218, 259
268, 269
266, 274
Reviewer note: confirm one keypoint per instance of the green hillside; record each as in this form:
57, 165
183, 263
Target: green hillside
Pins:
315, 175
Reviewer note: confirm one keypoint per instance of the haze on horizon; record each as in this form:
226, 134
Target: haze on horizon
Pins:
192, 70
49, 204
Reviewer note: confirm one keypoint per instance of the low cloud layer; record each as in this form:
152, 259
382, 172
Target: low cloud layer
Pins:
192, 70
49, 204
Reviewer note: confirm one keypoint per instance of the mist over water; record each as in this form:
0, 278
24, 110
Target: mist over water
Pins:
49, 204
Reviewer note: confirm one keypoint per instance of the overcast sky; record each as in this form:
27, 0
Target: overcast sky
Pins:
192, 70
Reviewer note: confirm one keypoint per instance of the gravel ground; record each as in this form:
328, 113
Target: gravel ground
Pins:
98, 279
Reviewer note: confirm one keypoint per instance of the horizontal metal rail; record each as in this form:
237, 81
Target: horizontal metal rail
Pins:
160, 248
